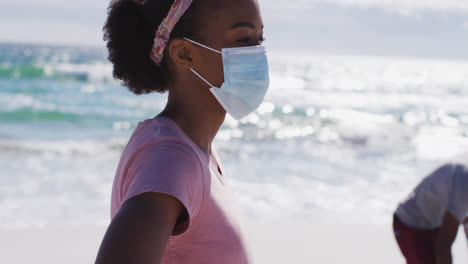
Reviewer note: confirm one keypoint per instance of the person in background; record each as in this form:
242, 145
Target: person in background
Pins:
426, 224
170, 202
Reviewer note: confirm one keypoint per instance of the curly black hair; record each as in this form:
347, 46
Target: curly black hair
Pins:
129, 32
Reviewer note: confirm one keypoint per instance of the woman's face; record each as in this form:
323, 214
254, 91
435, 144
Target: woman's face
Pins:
238, 23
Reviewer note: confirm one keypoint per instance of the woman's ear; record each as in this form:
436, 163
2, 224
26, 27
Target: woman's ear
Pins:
181, 53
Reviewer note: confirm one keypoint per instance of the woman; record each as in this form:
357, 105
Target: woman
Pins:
426, 224
170, 202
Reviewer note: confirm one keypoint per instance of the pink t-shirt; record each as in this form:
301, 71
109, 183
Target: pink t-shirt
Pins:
160, 157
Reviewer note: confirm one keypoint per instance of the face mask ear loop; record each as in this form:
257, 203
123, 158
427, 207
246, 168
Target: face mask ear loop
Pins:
203, 79
201, 45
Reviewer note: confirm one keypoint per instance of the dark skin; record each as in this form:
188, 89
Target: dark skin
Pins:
139, 232
445, 238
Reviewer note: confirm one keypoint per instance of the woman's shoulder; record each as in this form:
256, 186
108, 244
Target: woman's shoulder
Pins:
156, 146
161, 135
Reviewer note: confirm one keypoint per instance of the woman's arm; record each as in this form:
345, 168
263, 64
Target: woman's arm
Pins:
445, 238
139, 232
465, 225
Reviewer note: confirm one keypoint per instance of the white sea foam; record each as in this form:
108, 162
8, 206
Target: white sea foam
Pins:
91, 72
61, 182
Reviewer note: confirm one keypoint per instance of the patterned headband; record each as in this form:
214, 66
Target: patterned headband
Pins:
164, 31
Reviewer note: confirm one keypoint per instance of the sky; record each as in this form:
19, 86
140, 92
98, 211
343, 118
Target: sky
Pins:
415, 28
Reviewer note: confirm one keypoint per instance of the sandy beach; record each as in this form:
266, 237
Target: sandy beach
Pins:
272, 242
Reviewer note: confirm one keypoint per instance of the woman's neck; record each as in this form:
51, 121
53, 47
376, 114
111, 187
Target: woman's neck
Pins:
200, 117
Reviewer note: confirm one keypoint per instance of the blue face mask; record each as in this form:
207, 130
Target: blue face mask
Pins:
246, 79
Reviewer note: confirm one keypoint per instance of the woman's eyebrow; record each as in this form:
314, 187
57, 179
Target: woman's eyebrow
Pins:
244, 24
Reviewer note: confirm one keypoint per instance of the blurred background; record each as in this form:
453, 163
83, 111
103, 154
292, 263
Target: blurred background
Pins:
367, 96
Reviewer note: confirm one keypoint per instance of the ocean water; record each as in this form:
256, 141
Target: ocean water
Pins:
337, 136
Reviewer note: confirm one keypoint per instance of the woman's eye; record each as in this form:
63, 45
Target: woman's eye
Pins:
261, 40
244, 40
249, 40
